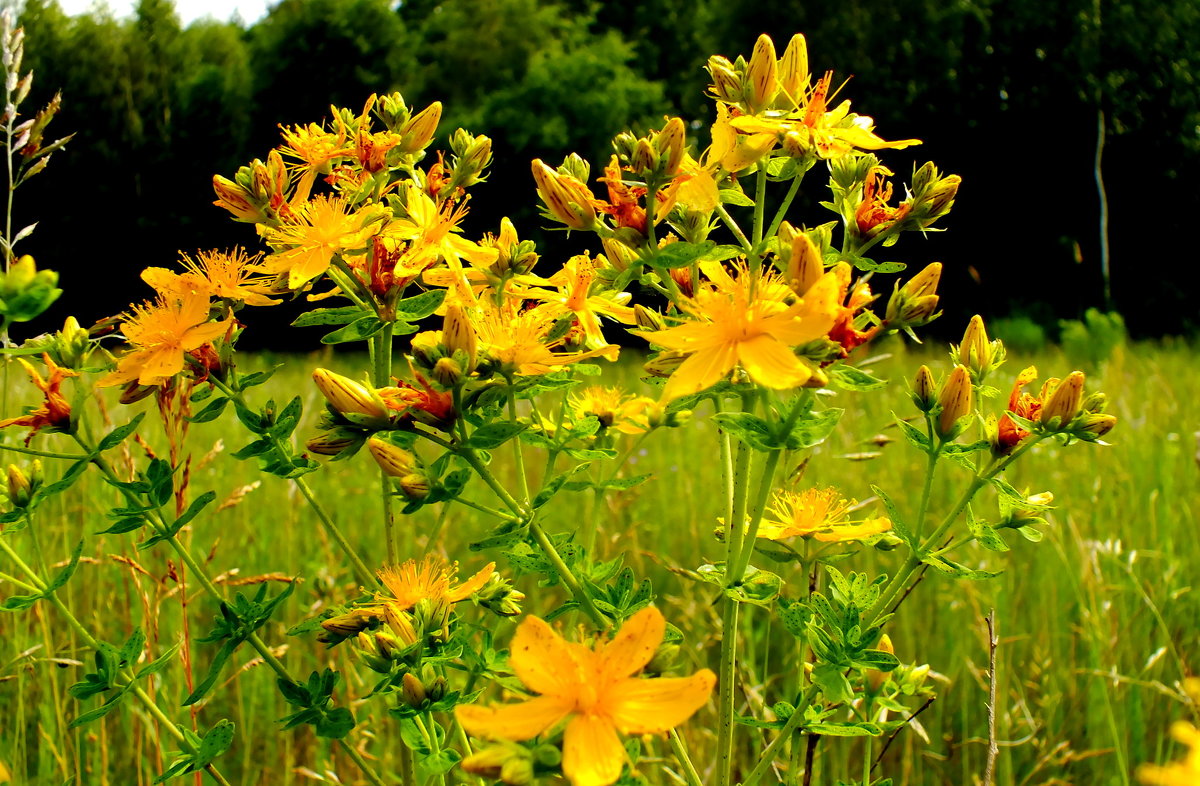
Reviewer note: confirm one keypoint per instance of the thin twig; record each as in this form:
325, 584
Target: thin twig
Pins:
896, 733
989, 771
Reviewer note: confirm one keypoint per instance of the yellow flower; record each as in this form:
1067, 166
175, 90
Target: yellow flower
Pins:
161, 335
430, 579
433, 232
819, 513
574, 284
220, 274
616, 410
811, 128
735, 327
315, 149
1180, 773
594, 690
520, 342
323, 227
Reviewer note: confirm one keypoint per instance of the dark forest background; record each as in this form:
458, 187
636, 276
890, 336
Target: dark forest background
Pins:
1016, 96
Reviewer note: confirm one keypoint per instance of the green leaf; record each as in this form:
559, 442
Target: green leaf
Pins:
833, 683
257, 378
954, 569
67, 572
813, 429
358, 330
439, 763
335, 724
211, 411
343, 315
748, 428
158, 664
759, 587
985, 534
851, 378
416, 308
917, 438
735, 196
216, 741
679, 254
493, 435
119, 434
101, 711
845, 729
899, 525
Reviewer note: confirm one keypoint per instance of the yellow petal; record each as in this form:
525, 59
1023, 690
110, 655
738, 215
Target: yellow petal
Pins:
857, 531
702, 370
771, 364
592, 752
543, 660
199, 335
472, 585
516, 722
656, 705
160, 364
633, 647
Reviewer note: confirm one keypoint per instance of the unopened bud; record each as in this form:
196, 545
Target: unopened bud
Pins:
74, 344
393, 459
412, 691
805, 265
415, 486
914, 303
20, 488
343, 626
670, 143
875, 677
647, 319
664, 659
957, 401
418, 132
448, 373
237, 200
793, 69
333, 441
1098, 424
1063, 404
567, 199
645, 159
1095, 402
762, 76
458, 334
350, 399
923, 389
726, 84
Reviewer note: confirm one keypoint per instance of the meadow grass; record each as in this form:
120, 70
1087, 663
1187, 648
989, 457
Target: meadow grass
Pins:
1097, 622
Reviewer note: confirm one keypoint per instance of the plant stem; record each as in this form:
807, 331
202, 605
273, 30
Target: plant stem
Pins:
685, 761
781, 213
760, 205
567, 576
201, 575
734, 228
793, 722
39, 585
518, 456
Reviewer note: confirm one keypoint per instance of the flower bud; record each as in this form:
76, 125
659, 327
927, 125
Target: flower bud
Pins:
1095, 402
343, 626
647, 319
805, 265
73, 343
726, 84
793, 69
458, 334
923, 395
576, 166
20, 487
645, 159
392, 459
1097, 424
238, 201
334, 441
418, 132
469, 166
1063, 404
957, 400
671, 143
500, 597
448, 373
915, 303
133, 392
412, 692
567, 200
762, 77
351, 399
415, 486
875, 677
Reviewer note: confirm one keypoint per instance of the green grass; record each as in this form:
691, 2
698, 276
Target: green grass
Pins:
1097, 622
